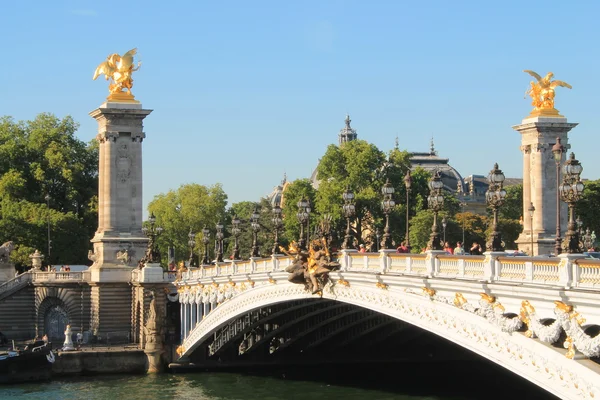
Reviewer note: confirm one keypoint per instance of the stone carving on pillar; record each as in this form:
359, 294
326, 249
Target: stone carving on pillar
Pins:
124, 162
7, 269
5, 251
153, 333
124, 256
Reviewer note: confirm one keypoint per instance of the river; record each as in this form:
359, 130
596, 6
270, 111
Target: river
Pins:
356, 382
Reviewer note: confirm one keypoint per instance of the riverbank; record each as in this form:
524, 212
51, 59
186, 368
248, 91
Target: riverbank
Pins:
100, 361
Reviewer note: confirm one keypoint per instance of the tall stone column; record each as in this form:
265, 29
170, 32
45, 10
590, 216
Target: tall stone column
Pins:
119, 242
538, 135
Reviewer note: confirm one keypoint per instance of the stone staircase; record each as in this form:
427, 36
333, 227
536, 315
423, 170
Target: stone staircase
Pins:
10, 287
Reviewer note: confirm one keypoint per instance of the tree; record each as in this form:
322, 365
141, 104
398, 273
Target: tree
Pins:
43, 157
513, 203
294, 192
587, 207
190, 207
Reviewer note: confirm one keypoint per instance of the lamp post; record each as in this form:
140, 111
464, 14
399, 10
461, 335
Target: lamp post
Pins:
387, 205
47, 198
435, 202
571, 190
276, 226
153, 232
407, 184
531, 210
349, 211
191, 243
494, 197
235, 231
579, 223
444, 224
378, 237
255, 229
205, 241
303, 215
219, 242
557, 150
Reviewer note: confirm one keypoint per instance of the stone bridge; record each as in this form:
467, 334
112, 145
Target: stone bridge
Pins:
537, 317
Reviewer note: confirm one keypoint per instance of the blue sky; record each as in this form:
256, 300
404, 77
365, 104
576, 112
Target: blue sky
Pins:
243, 91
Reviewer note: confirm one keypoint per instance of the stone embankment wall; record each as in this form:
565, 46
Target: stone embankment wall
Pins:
100, 362
17, 314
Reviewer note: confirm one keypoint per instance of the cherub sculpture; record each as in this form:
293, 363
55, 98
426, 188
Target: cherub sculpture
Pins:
542, 93
117, 69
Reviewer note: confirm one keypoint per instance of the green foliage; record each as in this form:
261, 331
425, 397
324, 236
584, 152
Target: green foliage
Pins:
190, 207
244, 211
474, 229
420, 229
510, 229
293, 193
587, 208
43, 157
363, 168
513, 203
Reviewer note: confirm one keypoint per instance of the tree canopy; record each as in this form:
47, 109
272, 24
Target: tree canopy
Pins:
189, 208
43, 157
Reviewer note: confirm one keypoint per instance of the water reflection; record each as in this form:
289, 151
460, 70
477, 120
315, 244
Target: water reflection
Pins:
381, 382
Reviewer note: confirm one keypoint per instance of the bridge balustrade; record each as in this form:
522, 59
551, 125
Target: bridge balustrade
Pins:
587, 273
57, 276
566, 272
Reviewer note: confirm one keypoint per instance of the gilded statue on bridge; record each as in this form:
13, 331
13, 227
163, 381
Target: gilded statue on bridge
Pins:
118, 69
542, 94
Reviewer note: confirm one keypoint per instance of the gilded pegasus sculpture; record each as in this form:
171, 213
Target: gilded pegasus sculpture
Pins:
118, 70
542, 94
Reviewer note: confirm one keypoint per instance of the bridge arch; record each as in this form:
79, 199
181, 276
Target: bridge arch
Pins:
531, 359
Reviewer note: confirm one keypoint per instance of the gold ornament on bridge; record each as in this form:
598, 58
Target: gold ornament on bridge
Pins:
542, 94
118, 69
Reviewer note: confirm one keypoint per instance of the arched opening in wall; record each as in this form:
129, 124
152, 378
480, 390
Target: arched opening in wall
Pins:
55, 319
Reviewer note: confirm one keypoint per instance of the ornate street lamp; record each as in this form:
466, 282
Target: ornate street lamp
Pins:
235, 231
444, 225
349, 211
206, 241
303, 215
387, 205
494, 197
47, 198
191, 243
255, 229
407, 184
219, 242
153, 232
571, 190
531, 210
276, 226
435, 202
378, 237
557, 150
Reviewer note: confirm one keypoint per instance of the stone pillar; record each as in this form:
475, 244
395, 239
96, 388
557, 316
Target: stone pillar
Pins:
119, 241
538, 135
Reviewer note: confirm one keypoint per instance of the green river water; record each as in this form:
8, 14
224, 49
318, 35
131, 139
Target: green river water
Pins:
354, 383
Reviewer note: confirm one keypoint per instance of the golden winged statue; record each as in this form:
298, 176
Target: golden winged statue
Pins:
118, 69
542, 94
